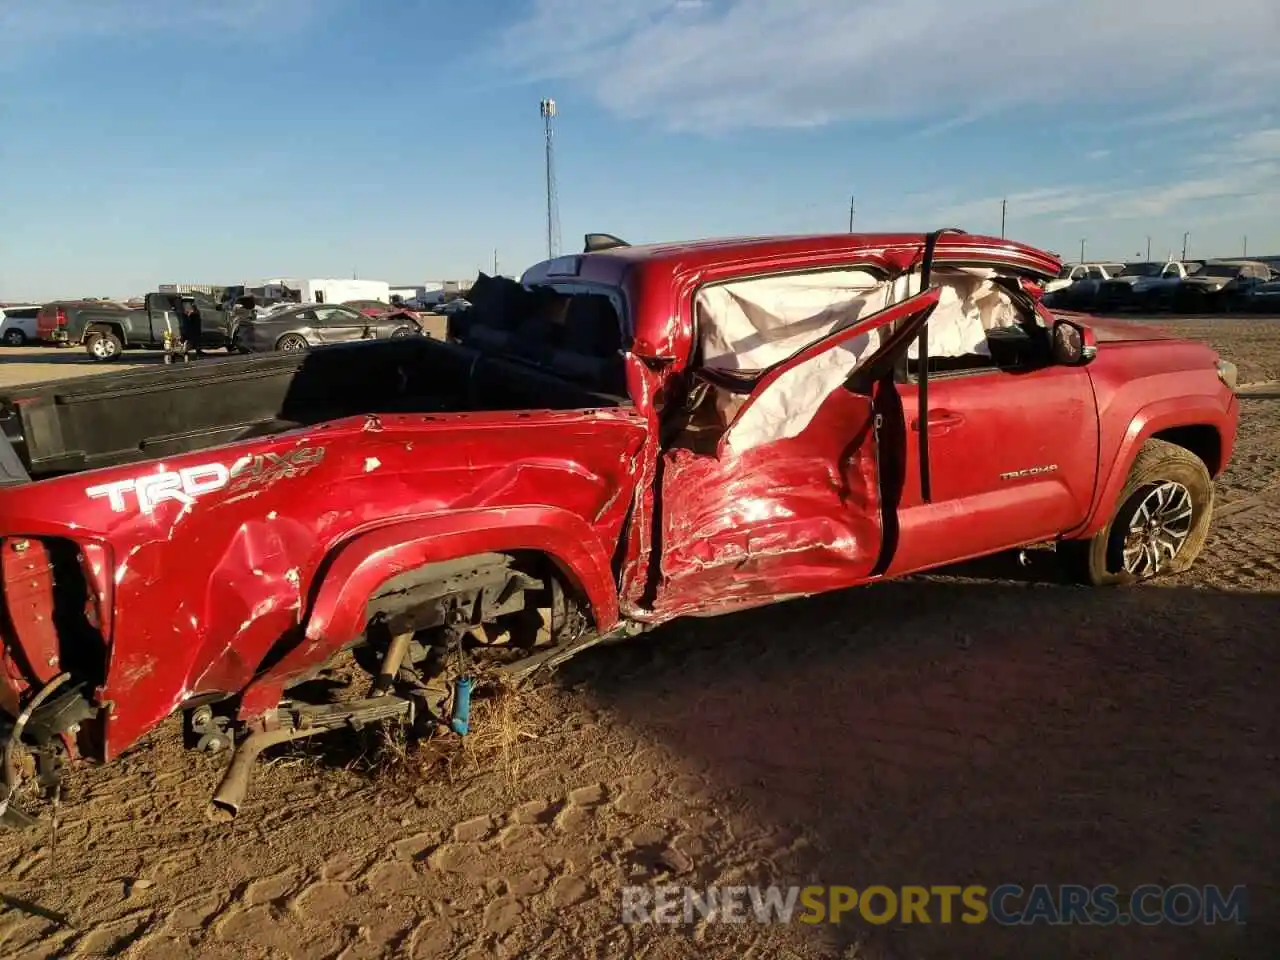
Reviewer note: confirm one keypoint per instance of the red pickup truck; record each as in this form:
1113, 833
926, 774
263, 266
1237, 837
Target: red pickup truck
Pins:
626, 436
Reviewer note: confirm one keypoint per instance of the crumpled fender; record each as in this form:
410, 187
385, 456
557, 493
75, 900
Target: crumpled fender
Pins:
1147, 422
363, 564
370, 560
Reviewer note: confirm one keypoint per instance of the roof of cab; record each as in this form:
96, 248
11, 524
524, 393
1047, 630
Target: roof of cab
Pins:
719, 251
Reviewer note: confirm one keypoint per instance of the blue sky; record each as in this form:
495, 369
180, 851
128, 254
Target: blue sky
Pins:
144, 141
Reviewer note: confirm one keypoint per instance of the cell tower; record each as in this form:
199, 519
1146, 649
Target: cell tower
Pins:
548, 110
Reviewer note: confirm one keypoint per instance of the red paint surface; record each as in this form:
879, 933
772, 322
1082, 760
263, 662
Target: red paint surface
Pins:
193, 599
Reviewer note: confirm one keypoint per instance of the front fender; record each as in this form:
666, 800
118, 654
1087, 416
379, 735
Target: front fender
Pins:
1150, 420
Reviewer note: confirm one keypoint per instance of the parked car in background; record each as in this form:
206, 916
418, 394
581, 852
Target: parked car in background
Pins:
452, 307
1083, 282
107, 329
307, 325
1143, 286
1073, 272
18, 324
1263, 298
1220, 285
370, 308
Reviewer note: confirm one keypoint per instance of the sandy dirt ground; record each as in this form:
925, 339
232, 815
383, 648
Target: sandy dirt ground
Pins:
986, 724
36, 364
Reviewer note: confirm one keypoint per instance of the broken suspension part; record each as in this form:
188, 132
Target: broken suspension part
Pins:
460, 717
293, 722
391, 663
10, 813
213, 732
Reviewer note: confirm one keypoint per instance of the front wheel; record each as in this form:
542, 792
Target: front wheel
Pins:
1160, 526
401, 332
291, 343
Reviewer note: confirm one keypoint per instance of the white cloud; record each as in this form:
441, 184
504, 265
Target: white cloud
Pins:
1246, 148
1234, 183
27, 24
788, 63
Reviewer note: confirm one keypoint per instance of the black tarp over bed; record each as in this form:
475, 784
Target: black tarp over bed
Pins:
128, 417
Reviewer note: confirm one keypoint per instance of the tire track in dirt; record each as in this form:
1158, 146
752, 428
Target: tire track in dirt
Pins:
505, 882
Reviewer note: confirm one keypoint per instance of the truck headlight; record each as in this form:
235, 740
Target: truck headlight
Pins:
1227, 373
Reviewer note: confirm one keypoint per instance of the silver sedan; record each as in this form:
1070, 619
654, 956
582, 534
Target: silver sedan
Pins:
312, 324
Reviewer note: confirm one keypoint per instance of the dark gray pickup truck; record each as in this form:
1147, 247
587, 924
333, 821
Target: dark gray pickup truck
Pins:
106, 329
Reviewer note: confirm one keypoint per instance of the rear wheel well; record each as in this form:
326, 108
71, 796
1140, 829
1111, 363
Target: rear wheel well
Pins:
1201, 439
102, 328
527, 594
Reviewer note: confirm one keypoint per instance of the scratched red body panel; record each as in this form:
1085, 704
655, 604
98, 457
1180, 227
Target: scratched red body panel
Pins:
203, 568
202, 590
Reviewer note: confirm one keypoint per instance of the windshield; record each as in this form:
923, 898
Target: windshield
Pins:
1142, 269
1218, 270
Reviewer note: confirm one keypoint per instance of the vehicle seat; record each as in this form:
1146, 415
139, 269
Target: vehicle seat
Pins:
591, 326
487, 336
592, 344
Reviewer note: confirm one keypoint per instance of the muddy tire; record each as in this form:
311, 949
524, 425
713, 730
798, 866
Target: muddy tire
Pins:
103, 345
1159, 526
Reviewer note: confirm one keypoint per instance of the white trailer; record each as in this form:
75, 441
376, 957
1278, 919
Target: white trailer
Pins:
324, 290
340, 291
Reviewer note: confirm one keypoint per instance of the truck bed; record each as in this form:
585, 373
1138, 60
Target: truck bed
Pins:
101, 421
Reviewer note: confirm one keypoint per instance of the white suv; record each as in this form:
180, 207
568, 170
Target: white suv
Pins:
18, 324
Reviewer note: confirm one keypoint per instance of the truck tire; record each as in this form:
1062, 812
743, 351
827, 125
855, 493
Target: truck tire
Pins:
103, 345
401, 332
1163, 516
14, 337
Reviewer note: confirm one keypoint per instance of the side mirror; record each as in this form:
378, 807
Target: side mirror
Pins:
1032, 289
1074, 344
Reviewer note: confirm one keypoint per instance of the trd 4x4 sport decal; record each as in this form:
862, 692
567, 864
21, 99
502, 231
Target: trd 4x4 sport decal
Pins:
186, 484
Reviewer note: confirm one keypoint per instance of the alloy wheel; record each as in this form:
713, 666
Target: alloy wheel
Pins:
1159, 527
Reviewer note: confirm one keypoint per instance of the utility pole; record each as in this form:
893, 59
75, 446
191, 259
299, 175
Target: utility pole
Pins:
547, 109
851, 214
495, 261
1244, 252
1082, 249
1185, 236
1148, 248
1004, 206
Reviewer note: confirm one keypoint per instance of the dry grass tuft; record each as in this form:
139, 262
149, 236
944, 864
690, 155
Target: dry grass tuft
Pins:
501, 724
504, 721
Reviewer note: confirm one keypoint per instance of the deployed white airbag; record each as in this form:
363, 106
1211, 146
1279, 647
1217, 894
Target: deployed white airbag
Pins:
969, 306
785, 407
755, 324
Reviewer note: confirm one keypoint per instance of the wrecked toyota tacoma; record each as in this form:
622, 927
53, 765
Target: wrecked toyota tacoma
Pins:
626, 436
